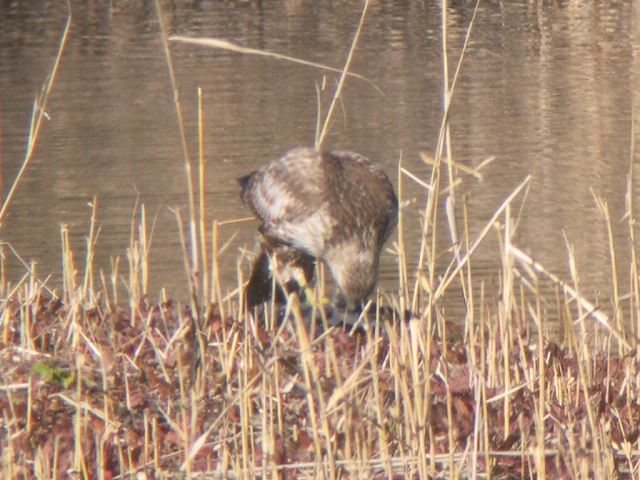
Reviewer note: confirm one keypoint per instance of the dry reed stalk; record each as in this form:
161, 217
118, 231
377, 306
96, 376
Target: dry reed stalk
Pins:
343, 76
452, 272
542, 392
431, 210
216, 280
3, 267
232, 47
68, 267
193, 253
202, 211
38, 114
634, 274
138, 259
400, 249
584, 304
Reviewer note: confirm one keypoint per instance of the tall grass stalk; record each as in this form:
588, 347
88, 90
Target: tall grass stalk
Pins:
343, 76
194, 255
138, 260
202, 211
38, 115
634, 273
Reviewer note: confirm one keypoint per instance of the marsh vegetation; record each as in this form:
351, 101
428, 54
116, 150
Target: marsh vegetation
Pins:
101, 384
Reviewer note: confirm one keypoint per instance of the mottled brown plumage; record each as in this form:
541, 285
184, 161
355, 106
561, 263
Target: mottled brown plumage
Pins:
336, 206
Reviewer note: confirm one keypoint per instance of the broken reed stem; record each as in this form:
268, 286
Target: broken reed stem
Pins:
94, 232
138, 259
589, 307
68, 267
450, 275
132, 256
232, 47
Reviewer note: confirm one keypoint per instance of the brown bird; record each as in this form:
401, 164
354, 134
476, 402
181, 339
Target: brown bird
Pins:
335, 206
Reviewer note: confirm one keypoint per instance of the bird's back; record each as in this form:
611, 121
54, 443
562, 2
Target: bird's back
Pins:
307, 199
363, 201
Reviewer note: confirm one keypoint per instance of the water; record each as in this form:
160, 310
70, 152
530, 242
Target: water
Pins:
546, 87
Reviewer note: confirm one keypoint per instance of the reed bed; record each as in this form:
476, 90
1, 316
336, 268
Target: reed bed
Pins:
91, 389
97, 386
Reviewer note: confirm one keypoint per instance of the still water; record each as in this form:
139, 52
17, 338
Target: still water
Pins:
546, 87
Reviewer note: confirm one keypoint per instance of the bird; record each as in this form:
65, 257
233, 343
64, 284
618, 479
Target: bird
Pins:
337, 207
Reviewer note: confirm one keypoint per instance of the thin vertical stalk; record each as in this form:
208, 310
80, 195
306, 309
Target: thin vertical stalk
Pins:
194, 262
37, 115
202, 197
91, 240
542, 384
631, 222
343, 76
403, 276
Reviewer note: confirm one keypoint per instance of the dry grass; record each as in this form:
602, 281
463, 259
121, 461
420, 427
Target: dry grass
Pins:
96, 387
97, 391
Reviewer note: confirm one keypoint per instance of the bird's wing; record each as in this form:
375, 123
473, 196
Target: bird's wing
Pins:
290, 197
288, 190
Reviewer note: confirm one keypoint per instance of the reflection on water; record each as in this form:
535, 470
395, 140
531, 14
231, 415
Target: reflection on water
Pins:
546, 87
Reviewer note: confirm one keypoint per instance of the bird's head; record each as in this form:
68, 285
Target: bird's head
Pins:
355, 270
